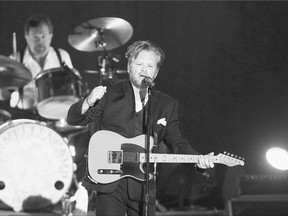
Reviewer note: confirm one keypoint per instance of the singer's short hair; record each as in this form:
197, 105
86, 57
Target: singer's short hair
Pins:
134, 50
37, 20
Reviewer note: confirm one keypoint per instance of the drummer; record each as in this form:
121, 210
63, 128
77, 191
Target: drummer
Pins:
38, 56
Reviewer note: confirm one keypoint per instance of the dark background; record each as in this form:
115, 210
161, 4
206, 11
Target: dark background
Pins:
226, 63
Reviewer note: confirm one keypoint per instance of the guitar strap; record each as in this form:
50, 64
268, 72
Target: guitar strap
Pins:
62, 63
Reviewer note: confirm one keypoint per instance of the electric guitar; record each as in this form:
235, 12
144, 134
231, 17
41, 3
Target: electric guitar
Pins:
112, 157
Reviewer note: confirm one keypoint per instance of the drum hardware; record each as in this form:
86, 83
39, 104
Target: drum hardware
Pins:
116, 71
106, 66
108, 74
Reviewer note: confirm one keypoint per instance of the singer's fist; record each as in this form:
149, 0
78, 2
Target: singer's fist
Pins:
96, 94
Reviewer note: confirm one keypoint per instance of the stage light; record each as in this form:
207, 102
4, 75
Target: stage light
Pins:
278, 158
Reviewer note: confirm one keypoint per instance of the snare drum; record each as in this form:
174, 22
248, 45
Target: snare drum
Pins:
56, 90
36, 166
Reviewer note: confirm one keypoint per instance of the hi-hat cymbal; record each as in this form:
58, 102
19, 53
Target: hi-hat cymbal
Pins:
101, 34
13, 73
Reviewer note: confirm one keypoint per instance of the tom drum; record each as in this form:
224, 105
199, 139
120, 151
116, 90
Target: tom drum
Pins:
57, 89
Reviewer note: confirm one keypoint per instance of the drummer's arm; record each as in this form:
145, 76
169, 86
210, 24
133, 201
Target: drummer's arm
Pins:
66, 58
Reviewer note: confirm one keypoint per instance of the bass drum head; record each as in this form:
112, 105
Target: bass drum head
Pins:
36, 165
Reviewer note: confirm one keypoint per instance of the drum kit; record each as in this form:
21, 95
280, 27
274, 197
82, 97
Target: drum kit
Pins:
36, 162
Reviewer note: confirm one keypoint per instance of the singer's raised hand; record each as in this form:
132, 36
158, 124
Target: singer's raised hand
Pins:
96, 94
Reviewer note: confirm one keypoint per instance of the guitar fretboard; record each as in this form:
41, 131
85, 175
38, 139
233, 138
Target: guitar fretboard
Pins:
169, 158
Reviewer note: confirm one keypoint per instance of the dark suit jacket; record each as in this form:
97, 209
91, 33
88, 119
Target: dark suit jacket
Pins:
116, 112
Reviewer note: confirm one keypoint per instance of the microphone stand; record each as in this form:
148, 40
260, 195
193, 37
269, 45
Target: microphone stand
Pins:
147, 144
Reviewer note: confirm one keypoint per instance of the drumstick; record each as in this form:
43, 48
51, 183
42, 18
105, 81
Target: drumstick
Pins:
14, 46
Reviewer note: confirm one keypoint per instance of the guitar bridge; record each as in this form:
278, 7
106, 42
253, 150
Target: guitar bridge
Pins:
109, 171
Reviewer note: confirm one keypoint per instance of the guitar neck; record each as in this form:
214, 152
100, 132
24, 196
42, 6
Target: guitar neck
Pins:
172, 158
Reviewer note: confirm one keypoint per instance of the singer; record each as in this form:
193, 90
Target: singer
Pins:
119, 107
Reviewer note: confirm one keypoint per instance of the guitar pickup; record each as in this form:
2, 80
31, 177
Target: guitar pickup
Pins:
115, 157
109, 171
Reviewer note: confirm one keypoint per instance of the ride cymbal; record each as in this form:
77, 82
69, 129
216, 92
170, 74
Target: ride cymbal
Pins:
101, 34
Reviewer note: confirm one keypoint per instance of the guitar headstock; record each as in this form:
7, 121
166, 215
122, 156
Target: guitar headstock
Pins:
229, 159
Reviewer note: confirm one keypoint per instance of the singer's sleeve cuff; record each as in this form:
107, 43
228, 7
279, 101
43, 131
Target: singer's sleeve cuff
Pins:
89, 104
199, 170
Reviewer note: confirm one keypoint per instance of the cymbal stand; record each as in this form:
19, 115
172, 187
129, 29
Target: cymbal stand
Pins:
105, 61
102, 59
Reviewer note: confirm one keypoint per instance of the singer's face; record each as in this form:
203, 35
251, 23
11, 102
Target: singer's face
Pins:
145, 64
39, 40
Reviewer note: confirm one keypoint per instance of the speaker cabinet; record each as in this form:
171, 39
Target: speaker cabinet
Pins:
266, 205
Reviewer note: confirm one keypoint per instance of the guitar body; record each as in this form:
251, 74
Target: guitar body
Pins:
106, 153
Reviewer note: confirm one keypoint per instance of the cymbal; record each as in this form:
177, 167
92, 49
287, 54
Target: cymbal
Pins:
101, 34
13, 73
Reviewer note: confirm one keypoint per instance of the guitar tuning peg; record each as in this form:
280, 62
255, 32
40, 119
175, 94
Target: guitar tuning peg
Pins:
224, 152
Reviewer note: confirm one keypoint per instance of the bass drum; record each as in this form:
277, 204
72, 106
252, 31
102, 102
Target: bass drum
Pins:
36, 165
57, 89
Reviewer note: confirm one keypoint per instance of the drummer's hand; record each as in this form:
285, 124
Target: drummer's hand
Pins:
96, 94
26, 102
204, 162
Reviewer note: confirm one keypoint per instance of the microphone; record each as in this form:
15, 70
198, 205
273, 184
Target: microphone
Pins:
148, 81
